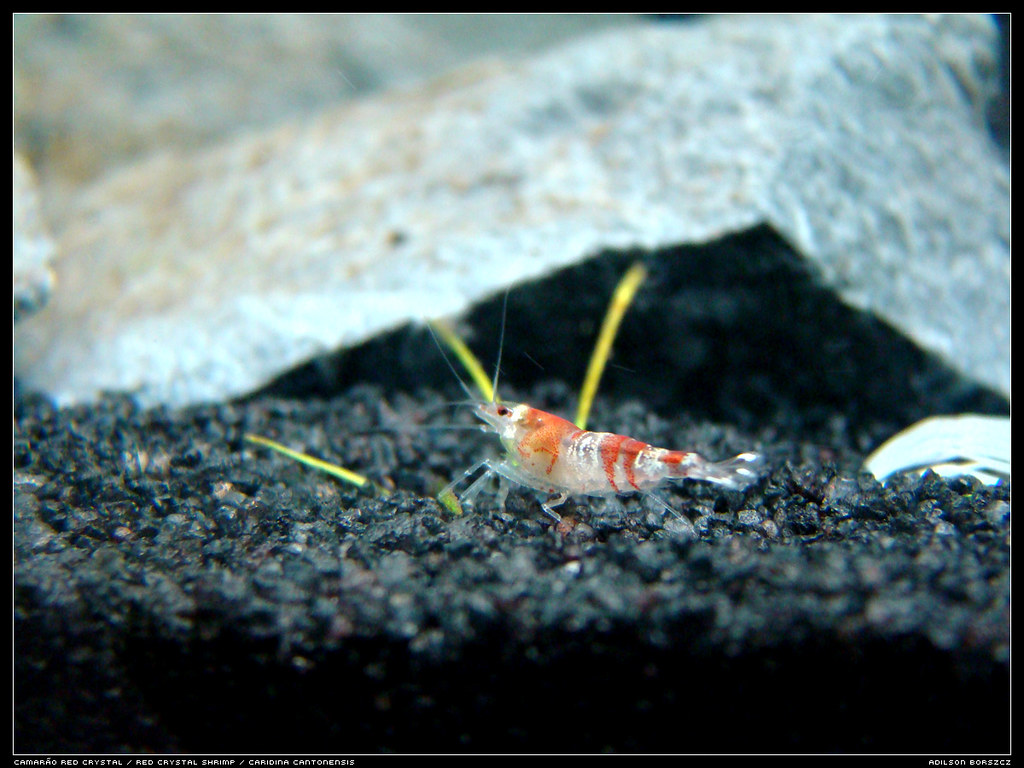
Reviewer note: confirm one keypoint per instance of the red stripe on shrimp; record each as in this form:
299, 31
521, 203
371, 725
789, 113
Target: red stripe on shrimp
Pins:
614, 446
609, 447
631, 449
675, 457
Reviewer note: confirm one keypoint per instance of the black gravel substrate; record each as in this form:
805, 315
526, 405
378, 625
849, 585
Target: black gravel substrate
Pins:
178, 589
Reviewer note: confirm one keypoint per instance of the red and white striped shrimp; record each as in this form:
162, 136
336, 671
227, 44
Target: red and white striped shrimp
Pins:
551, 454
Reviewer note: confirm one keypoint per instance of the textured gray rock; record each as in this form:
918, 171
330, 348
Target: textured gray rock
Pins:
33, 245
198, 276
182, 81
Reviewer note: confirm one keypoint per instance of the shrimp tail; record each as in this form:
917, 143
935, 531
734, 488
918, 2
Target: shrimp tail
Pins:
737, 472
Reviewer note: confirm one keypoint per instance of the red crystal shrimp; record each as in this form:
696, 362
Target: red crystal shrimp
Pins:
548, 453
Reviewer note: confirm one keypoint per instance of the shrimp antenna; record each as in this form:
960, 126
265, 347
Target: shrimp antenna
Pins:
501, 347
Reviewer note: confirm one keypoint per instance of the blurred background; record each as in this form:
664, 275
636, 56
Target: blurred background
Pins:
94, 91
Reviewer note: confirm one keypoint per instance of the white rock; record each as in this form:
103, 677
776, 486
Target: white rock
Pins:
201, 276
94, 91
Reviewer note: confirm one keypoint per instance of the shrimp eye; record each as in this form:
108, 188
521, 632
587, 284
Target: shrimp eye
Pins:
501, 410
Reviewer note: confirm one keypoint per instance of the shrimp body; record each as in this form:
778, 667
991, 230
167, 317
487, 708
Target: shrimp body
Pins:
551, 454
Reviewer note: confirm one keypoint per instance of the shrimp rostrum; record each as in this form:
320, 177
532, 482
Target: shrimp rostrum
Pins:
550, 454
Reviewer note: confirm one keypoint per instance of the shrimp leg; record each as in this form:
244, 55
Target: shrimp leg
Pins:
508, 471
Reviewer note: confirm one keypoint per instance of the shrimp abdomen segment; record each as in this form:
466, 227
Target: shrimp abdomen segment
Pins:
600, 463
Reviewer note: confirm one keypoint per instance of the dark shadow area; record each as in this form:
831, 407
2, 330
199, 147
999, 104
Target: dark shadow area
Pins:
568, 692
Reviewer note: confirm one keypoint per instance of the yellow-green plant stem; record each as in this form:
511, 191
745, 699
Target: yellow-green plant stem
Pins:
324, 466
466, 357
621, 299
